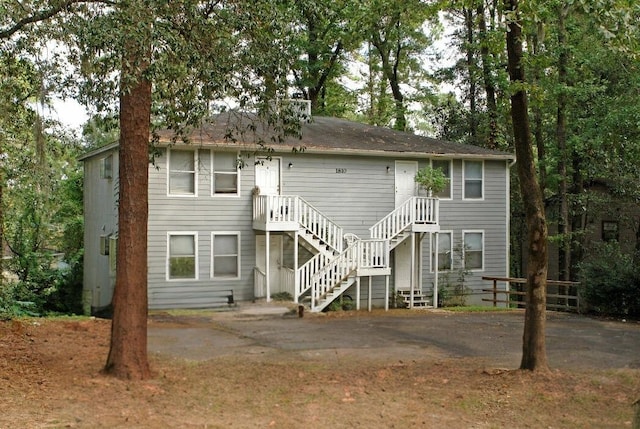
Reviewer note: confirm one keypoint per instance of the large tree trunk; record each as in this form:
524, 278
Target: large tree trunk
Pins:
534, 353
128, 353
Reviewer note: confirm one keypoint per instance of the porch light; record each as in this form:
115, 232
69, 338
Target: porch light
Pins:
388, 169
291, 165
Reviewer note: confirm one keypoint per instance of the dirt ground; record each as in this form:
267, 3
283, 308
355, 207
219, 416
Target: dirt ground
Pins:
354, 370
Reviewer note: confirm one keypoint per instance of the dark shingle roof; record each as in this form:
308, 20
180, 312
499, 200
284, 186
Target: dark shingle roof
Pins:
333, 135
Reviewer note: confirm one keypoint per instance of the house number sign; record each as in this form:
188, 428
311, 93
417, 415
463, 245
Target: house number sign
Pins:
341, 170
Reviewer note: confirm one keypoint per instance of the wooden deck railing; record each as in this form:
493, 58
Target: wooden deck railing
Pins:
561, 295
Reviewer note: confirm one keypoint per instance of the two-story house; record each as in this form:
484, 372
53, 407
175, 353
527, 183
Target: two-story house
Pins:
342, 216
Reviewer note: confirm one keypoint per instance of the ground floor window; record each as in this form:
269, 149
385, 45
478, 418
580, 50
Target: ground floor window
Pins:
444, 249
473, 244
225, 255
182, 258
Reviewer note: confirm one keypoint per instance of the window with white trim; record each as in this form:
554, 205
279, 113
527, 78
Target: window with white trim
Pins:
182, 172
473, 180
182, 257
225, 255
473, 244
226, 174
106, 167
445, 251
445, 167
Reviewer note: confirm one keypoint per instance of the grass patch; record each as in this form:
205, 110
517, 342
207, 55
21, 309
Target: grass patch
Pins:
476, 309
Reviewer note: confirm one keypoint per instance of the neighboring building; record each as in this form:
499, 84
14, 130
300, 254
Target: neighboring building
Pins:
342, 215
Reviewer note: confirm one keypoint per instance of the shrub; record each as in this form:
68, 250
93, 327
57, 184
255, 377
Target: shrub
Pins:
611, 281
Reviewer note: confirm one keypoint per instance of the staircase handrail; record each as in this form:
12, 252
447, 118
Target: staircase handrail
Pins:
333, 273
415, 209
293, 208
395, 222
306, 271
317, 223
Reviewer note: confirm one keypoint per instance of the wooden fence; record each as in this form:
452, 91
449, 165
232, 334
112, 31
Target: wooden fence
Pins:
561, 295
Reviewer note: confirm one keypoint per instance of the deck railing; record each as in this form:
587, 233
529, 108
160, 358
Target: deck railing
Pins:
373, 254
287, 209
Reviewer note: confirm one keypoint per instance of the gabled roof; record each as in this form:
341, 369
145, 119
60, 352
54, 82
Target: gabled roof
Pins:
331, 135
322, 135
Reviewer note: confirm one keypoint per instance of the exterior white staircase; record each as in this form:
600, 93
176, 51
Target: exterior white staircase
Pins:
334, 268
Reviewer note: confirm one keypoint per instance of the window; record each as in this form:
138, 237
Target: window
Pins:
473, 172
445, 251
610, 230
225, 257
182, 172
225, 173
182, 261
106, 167
445, 166
473, 250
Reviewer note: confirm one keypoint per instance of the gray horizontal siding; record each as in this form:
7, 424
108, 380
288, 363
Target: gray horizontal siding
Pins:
355, 200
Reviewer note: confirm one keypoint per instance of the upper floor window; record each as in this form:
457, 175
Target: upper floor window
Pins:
473, 179
225, 173
182, 258
106, 167
445, 167
473, 243
182, 172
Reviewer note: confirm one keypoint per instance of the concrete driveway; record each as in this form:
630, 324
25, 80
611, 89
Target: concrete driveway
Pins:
573, 341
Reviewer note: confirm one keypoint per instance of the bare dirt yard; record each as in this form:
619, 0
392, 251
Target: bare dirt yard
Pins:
400, 369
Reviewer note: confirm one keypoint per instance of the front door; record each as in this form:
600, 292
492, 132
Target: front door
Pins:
268, 176
405, 180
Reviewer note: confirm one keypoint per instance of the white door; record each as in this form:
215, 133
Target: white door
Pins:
402, 266
268, 176
275, 256
405, 180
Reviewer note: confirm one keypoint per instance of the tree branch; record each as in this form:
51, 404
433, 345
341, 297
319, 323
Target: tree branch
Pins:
43, 15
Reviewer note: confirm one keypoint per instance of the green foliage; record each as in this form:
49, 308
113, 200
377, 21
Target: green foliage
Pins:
432, 180
611, 280
282, 296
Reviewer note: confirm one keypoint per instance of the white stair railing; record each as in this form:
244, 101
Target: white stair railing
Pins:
319, 225
274, 209
373, 253
414, 210
306, 271
332, 275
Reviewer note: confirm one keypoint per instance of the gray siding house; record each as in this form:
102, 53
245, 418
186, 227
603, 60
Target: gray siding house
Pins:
341, 217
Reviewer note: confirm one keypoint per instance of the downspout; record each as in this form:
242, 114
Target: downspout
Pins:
508, 221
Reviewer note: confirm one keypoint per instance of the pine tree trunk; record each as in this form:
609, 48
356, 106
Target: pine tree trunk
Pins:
128, 353
534, 354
